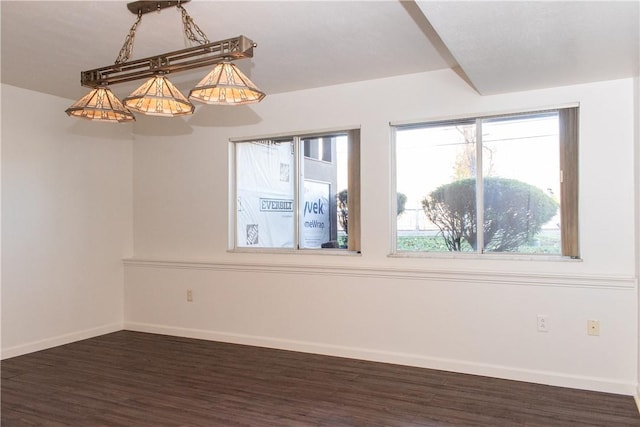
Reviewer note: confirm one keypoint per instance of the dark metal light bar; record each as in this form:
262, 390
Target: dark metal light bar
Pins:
170, 62
146, 6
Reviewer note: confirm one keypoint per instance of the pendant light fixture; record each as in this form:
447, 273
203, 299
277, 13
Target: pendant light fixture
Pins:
159, 97
225, 85
102, 105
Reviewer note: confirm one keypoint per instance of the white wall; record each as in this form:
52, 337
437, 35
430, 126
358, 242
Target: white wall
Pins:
66, 223
637, 193
468, 315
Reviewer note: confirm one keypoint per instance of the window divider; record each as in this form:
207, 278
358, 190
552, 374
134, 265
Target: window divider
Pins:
233, 199
353, 201
298, 187
479, 190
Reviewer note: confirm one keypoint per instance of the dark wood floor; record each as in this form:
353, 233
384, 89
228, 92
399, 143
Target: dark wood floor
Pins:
135, 379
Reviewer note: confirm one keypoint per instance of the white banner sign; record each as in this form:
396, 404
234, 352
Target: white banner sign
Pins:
265, 195
315, 228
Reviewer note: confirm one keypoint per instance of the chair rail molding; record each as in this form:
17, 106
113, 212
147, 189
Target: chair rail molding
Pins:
461, 276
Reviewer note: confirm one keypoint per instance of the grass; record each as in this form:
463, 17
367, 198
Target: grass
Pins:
543, 243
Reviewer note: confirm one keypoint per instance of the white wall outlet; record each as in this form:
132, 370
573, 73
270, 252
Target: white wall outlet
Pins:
593, 327
543, 323
189, 295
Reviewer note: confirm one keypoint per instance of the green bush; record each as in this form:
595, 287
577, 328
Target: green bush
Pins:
514, 213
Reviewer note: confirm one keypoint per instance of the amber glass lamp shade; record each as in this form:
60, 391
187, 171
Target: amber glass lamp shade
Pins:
159, 97
226, 85
100, 105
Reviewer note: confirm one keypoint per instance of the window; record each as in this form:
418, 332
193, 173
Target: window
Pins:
298, 192
516, 175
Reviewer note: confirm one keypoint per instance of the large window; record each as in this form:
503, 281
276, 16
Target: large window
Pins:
298, 192
515, 175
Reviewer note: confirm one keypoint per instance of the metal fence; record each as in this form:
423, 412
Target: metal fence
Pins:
414, 220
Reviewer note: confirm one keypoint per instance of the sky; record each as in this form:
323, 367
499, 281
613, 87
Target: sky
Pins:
526, 150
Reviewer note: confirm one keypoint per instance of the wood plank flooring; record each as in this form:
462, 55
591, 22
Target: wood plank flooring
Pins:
135, 379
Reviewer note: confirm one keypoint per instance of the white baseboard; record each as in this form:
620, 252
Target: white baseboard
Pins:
636, 397
44, 344
462, 366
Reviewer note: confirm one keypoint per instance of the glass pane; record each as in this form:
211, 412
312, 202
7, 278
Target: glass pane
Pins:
321, 148
323, 216
265, 192
521, 184
435, 169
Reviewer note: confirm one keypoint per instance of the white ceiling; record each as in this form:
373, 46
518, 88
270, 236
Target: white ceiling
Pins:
496, 46
520, 45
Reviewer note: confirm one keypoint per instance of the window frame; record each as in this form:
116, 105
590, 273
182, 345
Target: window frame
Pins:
353, 184
568, 178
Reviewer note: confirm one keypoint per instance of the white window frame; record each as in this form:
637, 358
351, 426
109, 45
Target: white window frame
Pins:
353, 134
569, 181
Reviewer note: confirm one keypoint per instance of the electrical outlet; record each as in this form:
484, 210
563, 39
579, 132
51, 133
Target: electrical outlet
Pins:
189, 295
543, 323
593, 327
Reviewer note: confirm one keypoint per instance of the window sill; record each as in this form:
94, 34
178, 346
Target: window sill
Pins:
485, 256
330, 252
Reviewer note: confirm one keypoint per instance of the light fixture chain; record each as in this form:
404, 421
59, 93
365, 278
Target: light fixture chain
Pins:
127, 47
190, 26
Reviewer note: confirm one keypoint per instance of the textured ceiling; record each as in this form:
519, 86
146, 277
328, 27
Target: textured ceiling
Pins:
497, 46
521, 45
301, 44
